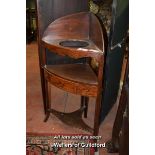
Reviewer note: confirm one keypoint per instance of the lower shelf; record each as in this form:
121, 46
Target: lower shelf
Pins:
73, 119
74, 78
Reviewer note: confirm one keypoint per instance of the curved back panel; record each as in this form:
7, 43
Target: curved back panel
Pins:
49, 10
96, 32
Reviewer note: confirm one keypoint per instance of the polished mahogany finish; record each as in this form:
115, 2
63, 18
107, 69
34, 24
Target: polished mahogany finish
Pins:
76, 27
75, 78
50, 10
74, 36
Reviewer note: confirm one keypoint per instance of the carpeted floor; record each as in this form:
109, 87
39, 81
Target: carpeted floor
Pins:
51, 144
35, 113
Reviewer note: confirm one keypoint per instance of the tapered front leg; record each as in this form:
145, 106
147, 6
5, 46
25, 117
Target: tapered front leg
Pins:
96, 118
97, 115
43, 88
42, 57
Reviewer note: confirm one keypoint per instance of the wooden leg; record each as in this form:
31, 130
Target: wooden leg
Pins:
82, 101
97, 114
47, 116
124, 135
96, 118
113, 144
48, 100
42, 57
43, 88
86, 106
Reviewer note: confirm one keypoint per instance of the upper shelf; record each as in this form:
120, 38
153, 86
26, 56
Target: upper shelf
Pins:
77, 35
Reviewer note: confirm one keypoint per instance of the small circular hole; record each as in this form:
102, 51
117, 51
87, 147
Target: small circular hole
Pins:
74, 43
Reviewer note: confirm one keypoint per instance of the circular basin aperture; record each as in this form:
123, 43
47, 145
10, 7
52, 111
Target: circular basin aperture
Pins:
74, 43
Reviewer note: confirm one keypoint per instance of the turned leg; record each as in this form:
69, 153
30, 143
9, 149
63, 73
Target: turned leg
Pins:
48, 100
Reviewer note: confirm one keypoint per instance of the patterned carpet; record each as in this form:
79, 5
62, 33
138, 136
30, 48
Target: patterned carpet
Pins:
48, 144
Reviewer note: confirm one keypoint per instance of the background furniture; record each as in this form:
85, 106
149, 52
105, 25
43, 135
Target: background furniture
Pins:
114, 55
31, 30
120, 134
